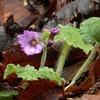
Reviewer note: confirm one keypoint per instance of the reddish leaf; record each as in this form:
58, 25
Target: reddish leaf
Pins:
17, 56
2, 68
41, 89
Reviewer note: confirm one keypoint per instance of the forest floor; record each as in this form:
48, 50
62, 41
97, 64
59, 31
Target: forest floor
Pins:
87, 86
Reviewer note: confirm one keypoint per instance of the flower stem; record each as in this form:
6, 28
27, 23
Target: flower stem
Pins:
86, 64
64, 53
44, 55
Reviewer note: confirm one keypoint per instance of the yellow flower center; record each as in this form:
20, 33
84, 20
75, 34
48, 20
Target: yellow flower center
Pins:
33, 42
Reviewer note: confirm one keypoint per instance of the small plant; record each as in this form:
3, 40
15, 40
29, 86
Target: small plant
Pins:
90, 32
31, 43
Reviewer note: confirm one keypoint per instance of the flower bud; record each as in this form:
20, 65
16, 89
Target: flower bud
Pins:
50, 43
54, 32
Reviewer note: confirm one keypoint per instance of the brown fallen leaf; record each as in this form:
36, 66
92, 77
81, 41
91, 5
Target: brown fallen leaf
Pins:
2, 68
86, 97
55, 5
90, 97
17, 56
2, 6
42, 89
94, 74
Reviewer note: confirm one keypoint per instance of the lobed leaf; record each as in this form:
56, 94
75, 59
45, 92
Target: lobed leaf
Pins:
87, 39
72, 37
27, 73
11, 68
30, 73
49, 73
91, 28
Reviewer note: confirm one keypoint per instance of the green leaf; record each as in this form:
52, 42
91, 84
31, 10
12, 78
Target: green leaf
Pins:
11, 68
91, 27
87, 39
27, 73
8, 95
72, 37
48, 73
30, 73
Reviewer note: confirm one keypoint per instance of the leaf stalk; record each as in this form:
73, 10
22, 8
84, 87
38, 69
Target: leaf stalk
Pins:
63, 56
86, 64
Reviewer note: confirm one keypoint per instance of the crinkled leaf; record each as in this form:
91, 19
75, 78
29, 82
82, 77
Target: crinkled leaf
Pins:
87, 39
11, 68
27, 73
8, 95
30, 73
91, 27
72, 37
49, 73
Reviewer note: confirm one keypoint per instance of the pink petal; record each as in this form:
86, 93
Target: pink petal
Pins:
23, 40
31, 34
38, 48
29, 50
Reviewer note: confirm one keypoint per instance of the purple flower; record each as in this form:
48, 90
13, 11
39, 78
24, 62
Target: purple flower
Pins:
29, 42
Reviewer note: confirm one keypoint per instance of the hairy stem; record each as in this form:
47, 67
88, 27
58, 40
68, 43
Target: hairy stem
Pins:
44, 55
86, 64
64, 53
